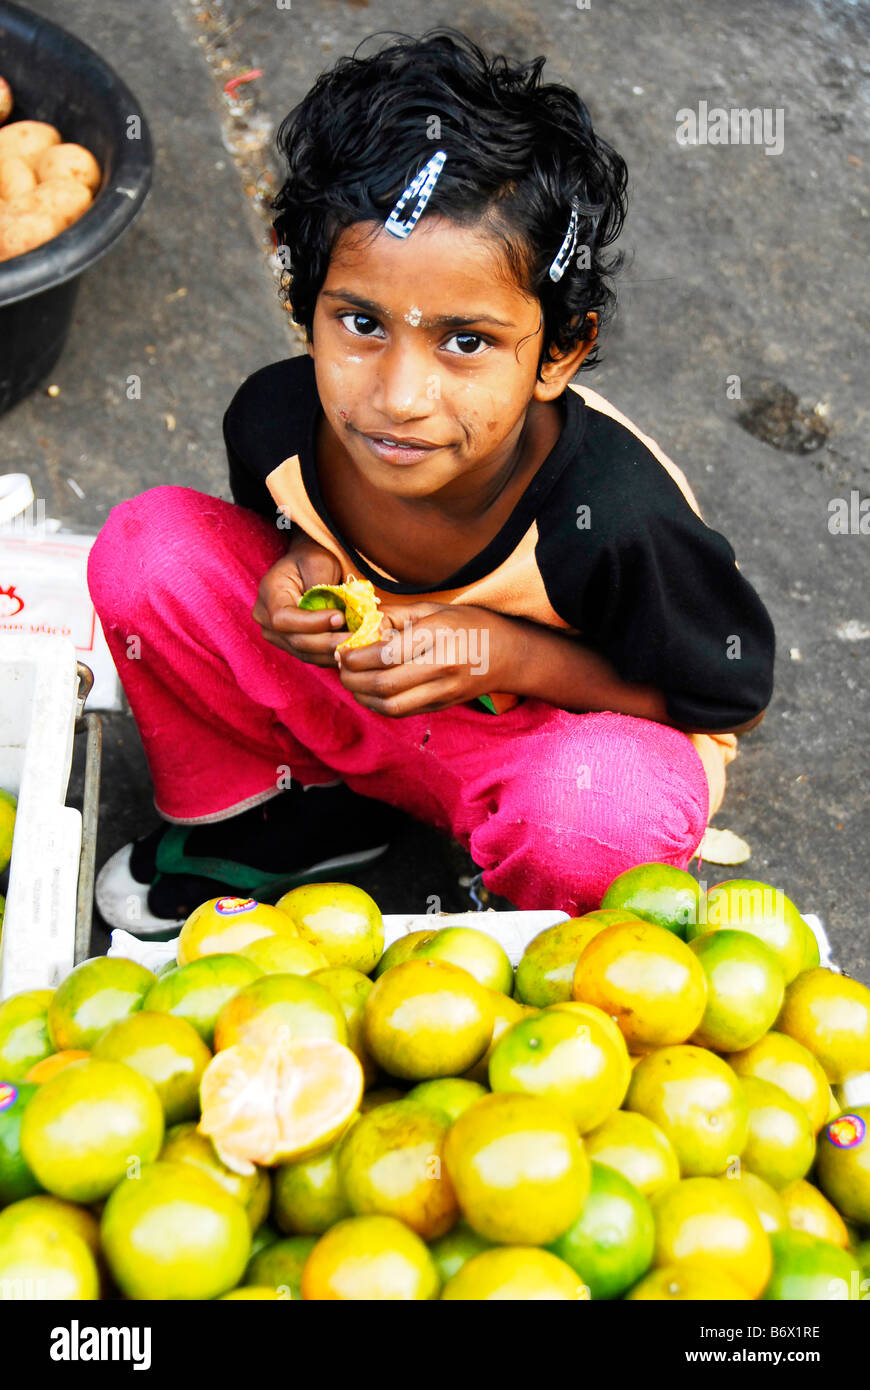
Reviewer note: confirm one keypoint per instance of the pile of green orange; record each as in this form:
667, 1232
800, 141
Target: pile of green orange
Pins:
663, 1101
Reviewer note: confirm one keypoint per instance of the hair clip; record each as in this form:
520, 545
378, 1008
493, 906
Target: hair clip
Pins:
566, 250
424, 185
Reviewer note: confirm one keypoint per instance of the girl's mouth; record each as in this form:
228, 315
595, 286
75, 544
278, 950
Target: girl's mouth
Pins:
393, 448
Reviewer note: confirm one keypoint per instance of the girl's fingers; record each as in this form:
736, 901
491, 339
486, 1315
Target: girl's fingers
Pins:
420, 699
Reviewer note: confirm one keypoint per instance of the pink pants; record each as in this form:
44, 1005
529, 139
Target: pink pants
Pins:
551, 805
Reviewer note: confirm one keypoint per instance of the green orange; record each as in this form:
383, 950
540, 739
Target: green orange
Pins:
184, 1144
645, 978
745, 989
295, 1003
707, 1222
787, 1063
255, 1293
391, 1163
611, 1243
67, 1215
545, 974
634, 1146
449, 1095
279, 1266
93, 996
164, 1049
830, 1015
372, 1258
693, 1096
24, 1038
427, 1018
577, 1059
16, 1179
659, 893
806, 1269
688, 1283
472, 950
515, 1274
843, 1163
174, 1233
50, 1066
744, 904
807, 1209
401, 949
451, 1251
519, 1169
779, 1144
197, 992
505, 1012
284, 955
8, 808
43, 1258
350, 988
84, 1129
224, 925
308, 1196
343, 921
767, 1202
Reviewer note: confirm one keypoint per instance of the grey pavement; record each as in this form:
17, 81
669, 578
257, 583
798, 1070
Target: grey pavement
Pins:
741, 265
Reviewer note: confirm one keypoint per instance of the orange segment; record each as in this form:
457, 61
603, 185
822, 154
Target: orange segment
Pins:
268, 1105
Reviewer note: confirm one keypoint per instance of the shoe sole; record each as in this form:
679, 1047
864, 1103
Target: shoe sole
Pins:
123, 902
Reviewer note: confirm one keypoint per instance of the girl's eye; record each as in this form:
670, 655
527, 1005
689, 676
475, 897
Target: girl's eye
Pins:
361, 325
468, 344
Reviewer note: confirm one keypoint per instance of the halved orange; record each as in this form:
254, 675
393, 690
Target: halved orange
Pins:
268, 1105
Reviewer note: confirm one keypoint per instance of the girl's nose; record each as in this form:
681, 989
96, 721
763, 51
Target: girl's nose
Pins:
407, 384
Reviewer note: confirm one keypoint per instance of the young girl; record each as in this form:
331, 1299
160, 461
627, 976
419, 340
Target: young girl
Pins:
568, 651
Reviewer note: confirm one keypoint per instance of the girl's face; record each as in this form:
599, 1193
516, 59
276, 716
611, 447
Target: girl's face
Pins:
426, 356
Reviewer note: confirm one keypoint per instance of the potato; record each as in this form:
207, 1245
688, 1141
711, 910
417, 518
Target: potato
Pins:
64, 199
16, 176
69, 162
27, 139
23, 233
6, 102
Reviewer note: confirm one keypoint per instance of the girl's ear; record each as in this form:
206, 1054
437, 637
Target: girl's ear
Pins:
557, 374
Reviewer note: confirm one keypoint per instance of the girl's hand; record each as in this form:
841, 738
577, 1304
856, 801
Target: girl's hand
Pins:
312, 636
436, 655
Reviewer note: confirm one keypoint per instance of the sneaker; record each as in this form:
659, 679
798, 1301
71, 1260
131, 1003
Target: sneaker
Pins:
150, 887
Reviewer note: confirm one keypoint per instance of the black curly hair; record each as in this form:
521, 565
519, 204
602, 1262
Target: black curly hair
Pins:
520, 153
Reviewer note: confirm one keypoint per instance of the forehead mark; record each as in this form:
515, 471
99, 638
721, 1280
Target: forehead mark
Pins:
413, 316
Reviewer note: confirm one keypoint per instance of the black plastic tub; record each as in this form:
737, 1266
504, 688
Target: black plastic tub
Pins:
55, 77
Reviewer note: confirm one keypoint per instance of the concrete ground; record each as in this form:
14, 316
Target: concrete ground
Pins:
741, 265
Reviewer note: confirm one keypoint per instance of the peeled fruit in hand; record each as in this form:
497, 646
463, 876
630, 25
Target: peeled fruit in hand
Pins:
93, 996
357, 600
634, 1146
745, 989
172, 1232
426, 1018
779, 1144
710, 1223
787, 1063
577, 1059
743, 904
830, 1015
843, 1163
519, 1169
83, 1129
647, 979
697, 1100
224, 925
267, 1105
370, 1257
341, 920
515, 1273
390, 1163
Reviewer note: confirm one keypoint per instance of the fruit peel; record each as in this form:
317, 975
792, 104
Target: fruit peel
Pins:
357, 600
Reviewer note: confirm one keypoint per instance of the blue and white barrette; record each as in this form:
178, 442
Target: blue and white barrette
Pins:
424, 185
566, 250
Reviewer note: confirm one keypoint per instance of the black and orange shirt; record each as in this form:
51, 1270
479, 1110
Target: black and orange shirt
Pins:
607, 542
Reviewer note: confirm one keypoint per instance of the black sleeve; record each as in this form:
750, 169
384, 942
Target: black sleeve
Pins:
264, 423
657, 591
